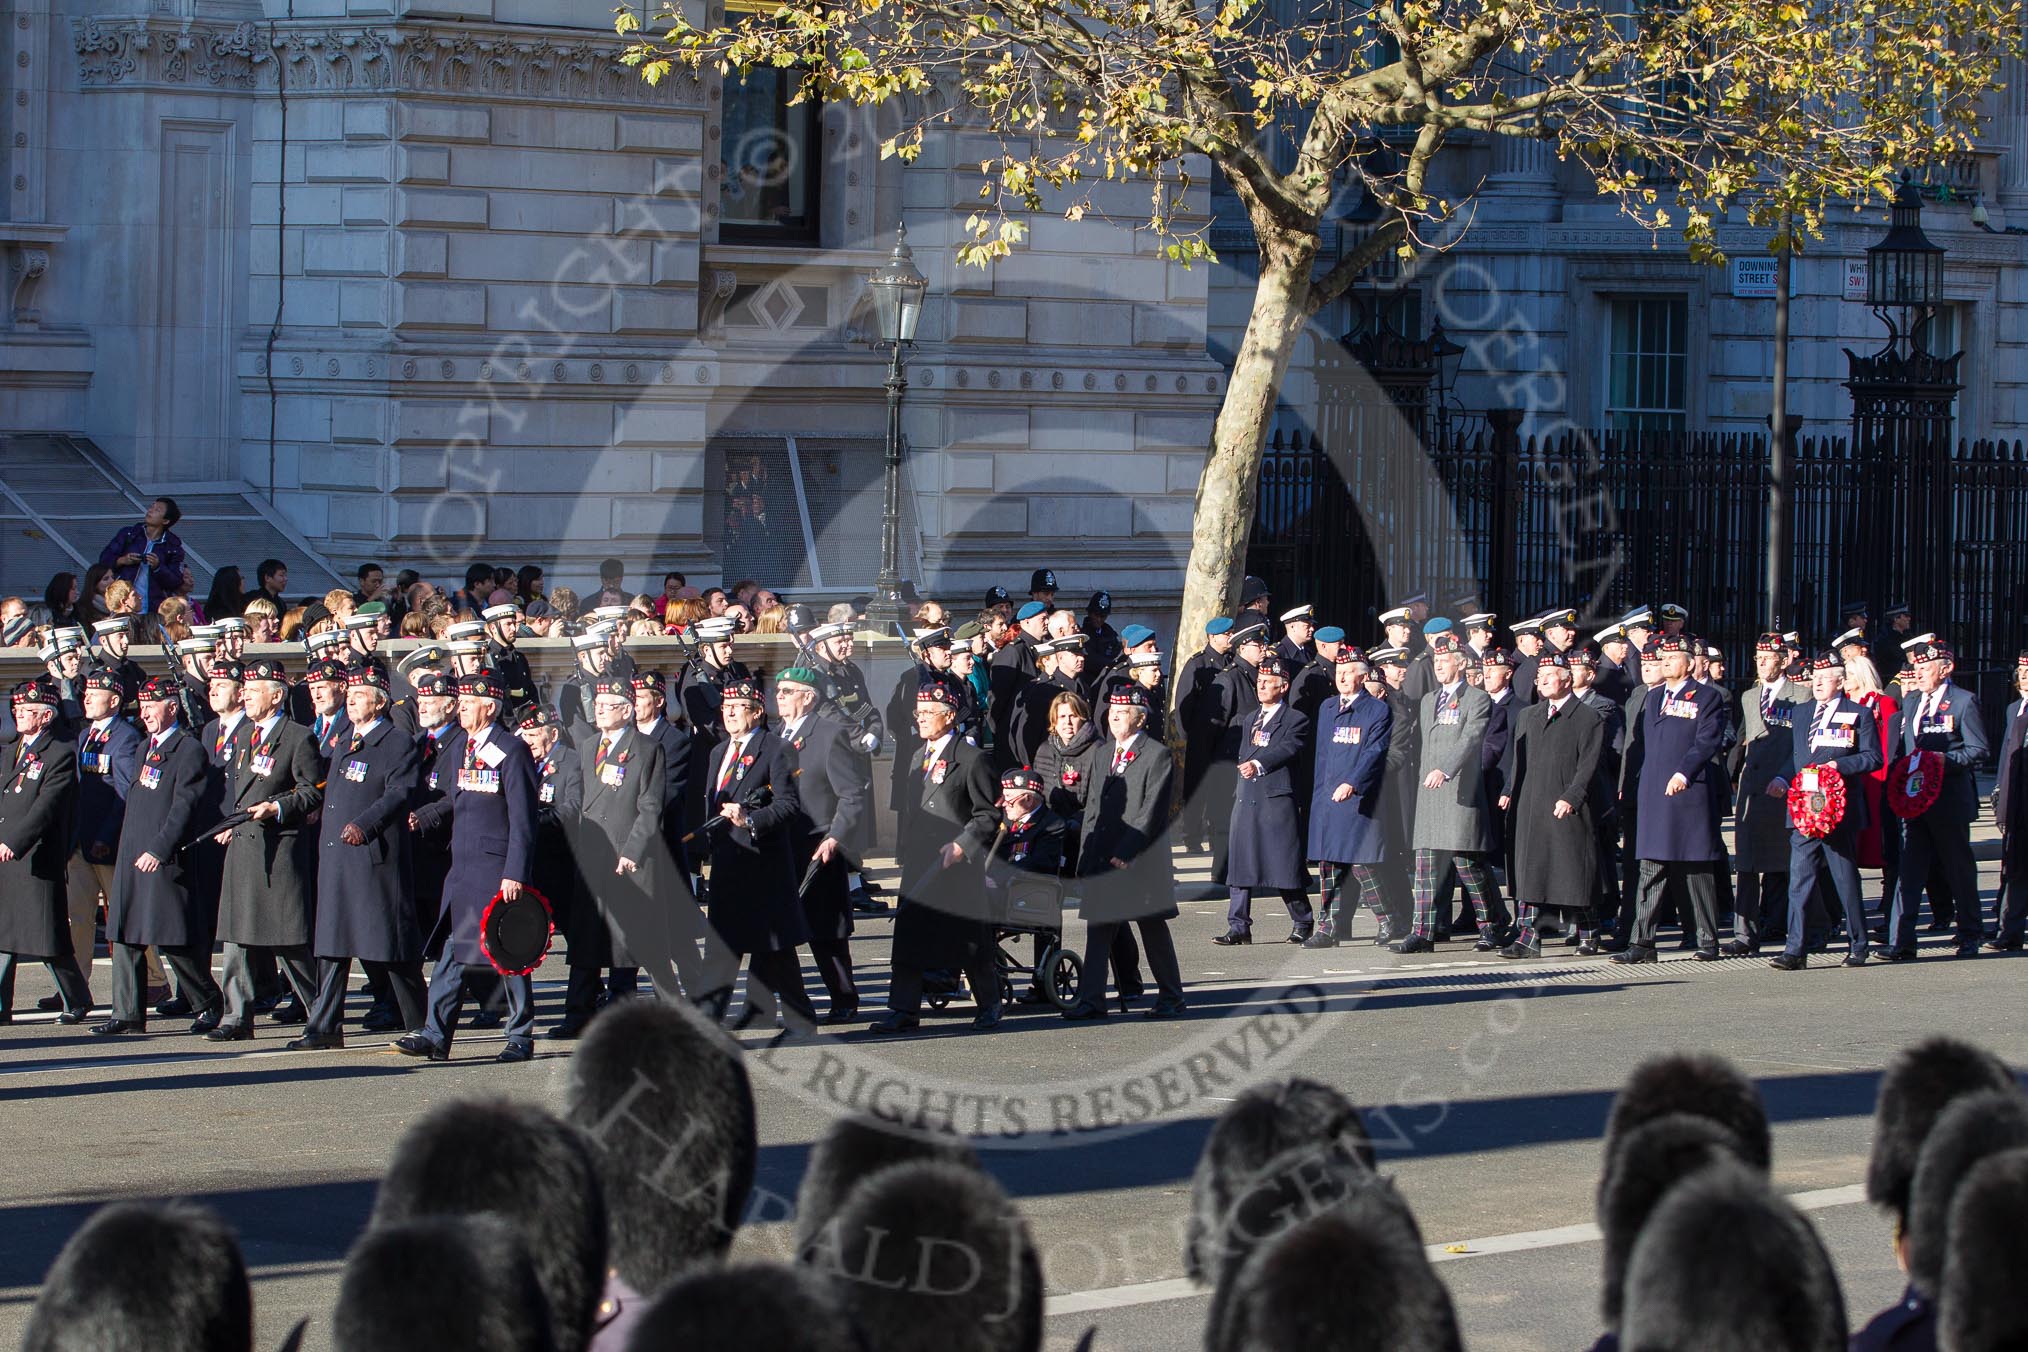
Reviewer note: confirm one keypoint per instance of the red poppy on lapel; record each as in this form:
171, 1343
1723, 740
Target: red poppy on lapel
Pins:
938, 771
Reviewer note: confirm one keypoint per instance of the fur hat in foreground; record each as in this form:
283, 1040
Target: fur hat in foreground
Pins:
1645, 1164
932, 1257
525, 1165
1265, 1121
1703, 1086
764, 1306
662, 1093
1724, 1265
1973, 1127
1988, 1253
1352, 1277
161, 1275
856, 1147
477, 1292
1917, 1085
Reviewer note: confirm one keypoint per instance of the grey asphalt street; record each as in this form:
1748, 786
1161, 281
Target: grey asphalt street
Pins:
1486, 1082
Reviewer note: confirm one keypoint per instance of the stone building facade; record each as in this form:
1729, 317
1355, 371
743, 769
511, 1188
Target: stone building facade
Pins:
443, 282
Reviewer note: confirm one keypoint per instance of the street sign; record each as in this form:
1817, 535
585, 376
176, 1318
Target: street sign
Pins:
1855, 279
1753, 277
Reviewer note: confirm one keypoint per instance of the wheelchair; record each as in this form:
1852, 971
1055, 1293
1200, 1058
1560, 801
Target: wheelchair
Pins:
1025, 905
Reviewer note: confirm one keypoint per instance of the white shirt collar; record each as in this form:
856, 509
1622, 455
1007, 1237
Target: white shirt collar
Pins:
157, 739
103, 725
1556, 705
1675, 688
267, 725
932, 750
648, 729
792, 727
365, 730
1453, 688
1126, 743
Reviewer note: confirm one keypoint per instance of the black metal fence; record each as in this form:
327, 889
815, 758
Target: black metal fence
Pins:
1370, 511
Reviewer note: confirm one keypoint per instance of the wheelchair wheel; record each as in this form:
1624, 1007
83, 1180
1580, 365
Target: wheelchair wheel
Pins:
1065, 970
1006, 989
938, 1000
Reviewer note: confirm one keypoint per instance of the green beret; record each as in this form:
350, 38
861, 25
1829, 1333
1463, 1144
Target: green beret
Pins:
801, 676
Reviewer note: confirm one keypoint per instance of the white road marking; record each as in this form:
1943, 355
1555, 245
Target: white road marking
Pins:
1521, 1241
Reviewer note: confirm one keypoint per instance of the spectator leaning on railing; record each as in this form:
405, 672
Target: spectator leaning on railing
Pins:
148, 554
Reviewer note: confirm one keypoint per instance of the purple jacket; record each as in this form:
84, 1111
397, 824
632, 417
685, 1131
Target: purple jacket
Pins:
165, 578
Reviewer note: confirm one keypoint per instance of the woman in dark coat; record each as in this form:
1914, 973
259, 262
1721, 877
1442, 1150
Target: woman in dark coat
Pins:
38, 794
1347, 834
1557, 744
1064, 761
1126, 869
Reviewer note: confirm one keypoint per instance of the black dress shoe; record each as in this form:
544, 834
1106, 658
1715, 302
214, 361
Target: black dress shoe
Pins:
1323, 938
1965, 951
1081, 1011
49, 1004
1589, 948
415, 1044
266, 1003
1739, 948
1231, 938
516, 1052
1789, 962
381, 1021
1706, 955
1486, 943
1299, 936
1127, 993
1034, 995
206, 1021
568, 1031
1520, 950
1854, 960
489, 1018
987, 1019
1896, 955
1414, 943
1635, 954
115, 1027
2003, 945
290, 1011
1168, 1009
73, 1017
842, 1014
174, 1007
318, 1042
1937, 927
230, 1032
895, 1023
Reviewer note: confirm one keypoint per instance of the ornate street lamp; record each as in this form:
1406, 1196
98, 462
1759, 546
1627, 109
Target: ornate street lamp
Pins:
1449, 359
897, 288
1904, 274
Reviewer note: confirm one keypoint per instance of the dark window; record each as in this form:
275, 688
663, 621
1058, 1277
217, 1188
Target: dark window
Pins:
771, 153
1648, 363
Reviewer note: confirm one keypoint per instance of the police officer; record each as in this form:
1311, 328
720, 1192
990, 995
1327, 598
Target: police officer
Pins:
152, 901
1103, 644
267, 891
364, 906
1679, 786
491, 807
1042, 587
1829, 735
503, 629
38, 795
703, 693
1195, 710
626, 910
752, 905
1013, 666
1267, 846
831, 801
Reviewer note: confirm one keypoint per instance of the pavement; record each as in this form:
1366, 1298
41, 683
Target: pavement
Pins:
1486, 1085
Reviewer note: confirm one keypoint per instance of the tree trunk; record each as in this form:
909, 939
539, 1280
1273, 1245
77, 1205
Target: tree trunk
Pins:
1225, 494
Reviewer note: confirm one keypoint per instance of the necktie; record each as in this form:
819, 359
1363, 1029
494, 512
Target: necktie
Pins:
929, 758
1817, 724
218, 748
1119, 759
356, 740
1766, 702
731, 759
599, 760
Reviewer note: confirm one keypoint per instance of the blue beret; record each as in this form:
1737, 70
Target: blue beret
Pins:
1218, 624
1135, 633
1437, 626
1030, 611
1330, 633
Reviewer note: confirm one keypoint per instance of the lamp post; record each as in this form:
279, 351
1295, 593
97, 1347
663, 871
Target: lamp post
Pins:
1447, 355
897, 288
1902, 399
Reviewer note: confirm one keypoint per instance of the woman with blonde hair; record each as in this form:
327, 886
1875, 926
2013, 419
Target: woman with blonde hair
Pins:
175, 614
684, 613
263, 621
339, 602
773, 620
1878, 847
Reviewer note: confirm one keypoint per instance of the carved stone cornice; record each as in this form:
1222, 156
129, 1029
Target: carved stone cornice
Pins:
437, 60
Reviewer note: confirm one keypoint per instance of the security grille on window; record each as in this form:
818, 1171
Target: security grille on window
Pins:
1647, 366
771, 154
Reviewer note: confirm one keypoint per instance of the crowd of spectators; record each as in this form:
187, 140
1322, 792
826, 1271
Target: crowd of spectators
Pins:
143, 572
